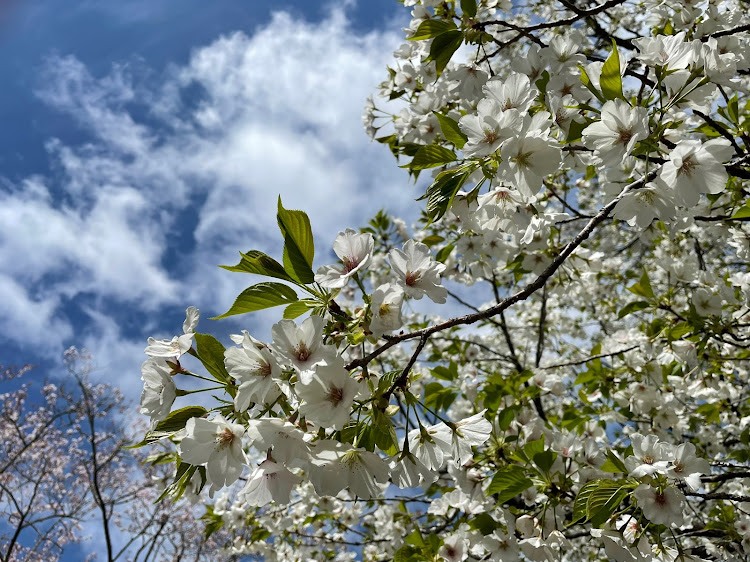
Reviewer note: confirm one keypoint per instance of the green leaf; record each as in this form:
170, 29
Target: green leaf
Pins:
469, 7
545, 460
610, 79
586, 81
484, 523
299, 248
210, 351
173, 423
444, 252
613, 464
295, 310
442, 48
431, 156
643, 287
743, 212
441, 193
451, 130
575, 131
580, 505
260, 264
177, 420
260, 296
605, 499
432, 28
508, 482
632, 307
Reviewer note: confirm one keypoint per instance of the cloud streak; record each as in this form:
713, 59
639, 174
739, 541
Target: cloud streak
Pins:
181, 170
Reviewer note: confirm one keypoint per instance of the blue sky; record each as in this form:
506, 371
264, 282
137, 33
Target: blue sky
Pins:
145, 142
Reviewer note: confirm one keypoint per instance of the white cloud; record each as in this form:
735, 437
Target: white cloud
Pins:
183, 170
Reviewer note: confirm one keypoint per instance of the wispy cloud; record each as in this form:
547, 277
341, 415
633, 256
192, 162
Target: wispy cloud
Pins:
181, 170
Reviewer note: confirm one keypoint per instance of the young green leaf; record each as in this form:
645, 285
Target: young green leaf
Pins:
431, 156
259, 263
431, 28
210, 351
508, 482
451, 131
469, 7
610, 79
299, 248
442, 48
260, 296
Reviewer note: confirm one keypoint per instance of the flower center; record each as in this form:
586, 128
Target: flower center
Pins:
412, 277
301, 352
225, 438
688, 166
490, 136
335, 395
522, 159
350, 263
263, 370
660, 499
624, 135
648, 460
384, 309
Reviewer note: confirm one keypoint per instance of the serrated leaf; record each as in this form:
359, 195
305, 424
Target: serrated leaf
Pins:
613, 464
177, 420
610, 80
604, 500
299, 247
442, 48
431, 156
580, 505
432, 28
545, 460
210, 351
259, 263
451, 131
441, 193
259, 297
508, 482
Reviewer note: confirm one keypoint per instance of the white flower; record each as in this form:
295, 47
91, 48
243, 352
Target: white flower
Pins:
430, 445
649, 456
515, 92
255, 369
269, 482
302, 346
488, 128
328, 396
668, 51
455, 548
336, 466
694, 168
355, 252
286, 441
687, 466
386, 309
217, 444
159, 390
706, 303
471, 431
417, 273
641, 206
178, 345
615, 135
407, 471
663, 507
527, 160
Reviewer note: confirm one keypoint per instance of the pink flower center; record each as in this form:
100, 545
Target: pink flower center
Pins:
335, 395
412, 277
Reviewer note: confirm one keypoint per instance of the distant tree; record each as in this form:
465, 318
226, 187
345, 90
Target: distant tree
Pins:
64, 473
